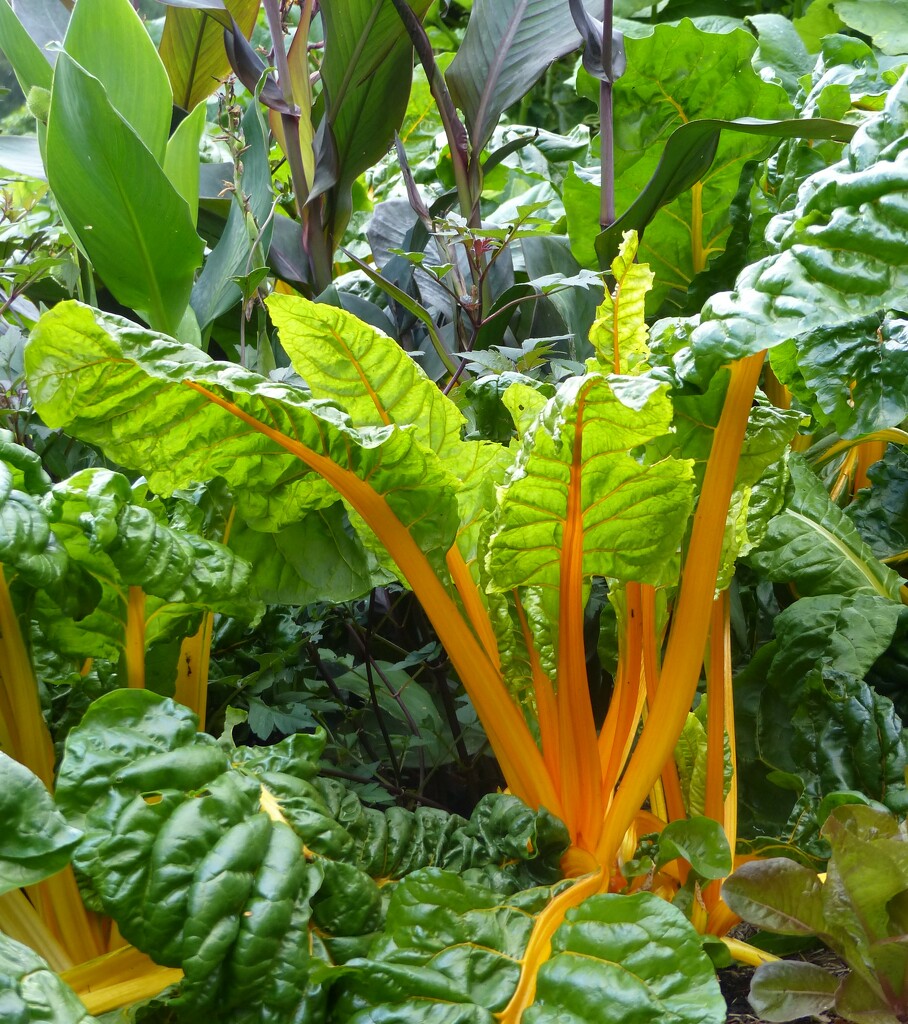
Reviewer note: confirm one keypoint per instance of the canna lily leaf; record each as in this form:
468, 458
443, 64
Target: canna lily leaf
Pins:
192, 46
126, 214
35, 841
842, 251
89, 369
507, 46
107, 39
814, 544
29, 63
30, 993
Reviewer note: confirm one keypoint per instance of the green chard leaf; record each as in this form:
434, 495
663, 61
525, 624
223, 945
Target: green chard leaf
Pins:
30, 993
35, 841
239, 866
842, 252
814, 544
880, 512
155, 404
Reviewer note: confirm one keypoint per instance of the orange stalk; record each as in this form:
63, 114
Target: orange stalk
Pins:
135, 639
578, 751
473, 604
544, 692
671, 783
690, 625
869, 453
508, 733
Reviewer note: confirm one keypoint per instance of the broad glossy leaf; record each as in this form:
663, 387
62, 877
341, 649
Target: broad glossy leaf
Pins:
452, 952
366, 74
107, 39
133, 224
45, 21
842, 252
789, 989
701, 842
507, 46
851, 375
30, 993
110, 380
181, 161
779, 895
22, 155
35, 841
216, 858
317, 559
658, 96
780, 49
192, 47
814, 544
883, 22
29, 63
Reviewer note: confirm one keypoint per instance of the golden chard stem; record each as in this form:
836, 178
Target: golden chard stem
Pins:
135, 638
509, 735
690, 624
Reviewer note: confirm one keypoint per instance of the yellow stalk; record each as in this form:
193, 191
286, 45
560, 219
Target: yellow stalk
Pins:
539, 947
473, 604
718, 681
868, 453
580, 769
744, 953
775, 390
698, 252
192, 669
119, 979
20, 921
844, 476
721, 919
546, 710
508, 733
135, 639
892, 434
690, 624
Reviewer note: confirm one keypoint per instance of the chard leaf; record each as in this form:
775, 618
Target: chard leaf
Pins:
30, 993
363, 371
789, 989
241, 868
619, 333
842, 252
452, 952
155, 404
35, 841
862, 1002
574, 473
815, 545
850, 375
701, 842
881, 512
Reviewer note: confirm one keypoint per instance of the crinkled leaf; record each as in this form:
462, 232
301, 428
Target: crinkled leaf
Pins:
215, 858
363, 371
30, 993
851, 376
619, 333
842, 251
881, 512
574, 470
161, 406
452, 952
27, 544
815, 545
35, 840
789, 989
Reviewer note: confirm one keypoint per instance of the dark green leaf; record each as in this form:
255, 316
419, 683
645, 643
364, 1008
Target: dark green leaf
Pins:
881, 512
30, 993
35, 841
